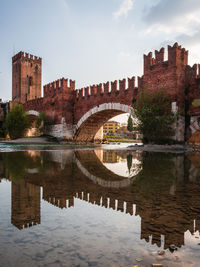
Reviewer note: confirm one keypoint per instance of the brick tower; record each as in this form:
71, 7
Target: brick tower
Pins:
26, 77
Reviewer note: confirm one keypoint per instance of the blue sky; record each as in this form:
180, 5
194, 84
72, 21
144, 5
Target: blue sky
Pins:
93, 41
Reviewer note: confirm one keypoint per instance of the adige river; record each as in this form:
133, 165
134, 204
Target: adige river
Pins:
86, 207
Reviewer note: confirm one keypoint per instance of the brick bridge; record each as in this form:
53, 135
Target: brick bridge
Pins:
79, 114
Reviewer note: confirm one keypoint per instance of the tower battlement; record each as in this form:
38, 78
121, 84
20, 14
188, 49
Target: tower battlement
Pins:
177, 56
27, 56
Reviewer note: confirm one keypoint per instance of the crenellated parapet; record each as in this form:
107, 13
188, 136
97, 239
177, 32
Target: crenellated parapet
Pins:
59, 86
108, 88
27, 56
177, 56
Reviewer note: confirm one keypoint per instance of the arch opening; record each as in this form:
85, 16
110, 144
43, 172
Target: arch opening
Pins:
33, 131
88, 126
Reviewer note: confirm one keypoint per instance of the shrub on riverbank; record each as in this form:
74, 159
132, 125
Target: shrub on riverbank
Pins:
153, 110
17, 122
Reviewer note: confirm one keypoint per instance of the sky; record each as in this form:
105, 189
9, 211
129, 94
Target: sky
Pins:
93, 41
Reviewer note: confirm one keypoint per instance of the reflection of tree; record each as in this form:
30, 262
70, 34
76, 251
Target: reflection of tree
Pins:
157, 173
129, 162
19, 163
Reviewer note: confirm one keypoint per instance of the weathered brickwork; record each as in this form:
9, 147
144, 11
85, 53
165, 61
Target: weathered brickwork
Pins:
26, 77
79, 114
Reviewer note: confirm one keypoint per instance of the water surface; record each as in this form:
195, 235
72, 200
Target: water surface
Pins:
99, 208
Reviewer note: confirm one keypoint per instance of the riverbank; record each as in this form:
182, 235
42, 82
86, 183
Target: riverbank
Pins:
31, 141
52, 142
166, 148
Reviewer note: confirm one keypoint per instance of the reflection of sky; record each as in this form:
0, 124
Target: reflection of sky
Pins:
121, 168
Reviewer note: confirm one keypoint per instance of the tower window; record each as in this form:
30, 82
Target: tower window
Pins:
30, 81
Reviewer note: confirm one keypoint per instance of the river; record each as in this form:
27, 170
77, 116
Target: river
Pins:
98, 207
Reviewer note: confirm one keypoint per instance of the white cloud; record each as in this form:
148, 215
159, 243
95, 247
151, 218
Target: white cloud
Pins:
173, 17
125, 7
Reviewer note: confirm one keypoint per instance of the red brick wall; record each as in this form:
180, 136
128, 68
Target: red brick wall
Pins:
57, 101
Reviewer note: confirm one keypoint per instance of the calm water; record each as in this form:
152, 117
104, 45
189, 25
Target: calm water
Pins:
99, 208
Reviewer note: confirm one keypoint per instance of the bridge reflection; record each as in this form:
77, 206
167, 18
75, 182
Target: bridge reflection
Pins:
164, 195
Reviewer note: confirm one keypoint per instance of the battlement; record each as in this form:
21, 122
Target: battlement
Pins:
27, 56
177, 56
58, 86
115, 87
196, 70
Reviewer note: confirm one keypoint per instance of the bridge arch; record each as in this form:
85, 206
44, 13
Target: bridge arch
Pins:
93, 120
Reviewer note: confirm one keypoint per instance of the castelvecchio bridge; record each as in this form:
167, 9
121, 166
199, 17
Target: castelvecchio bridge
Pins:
80, 114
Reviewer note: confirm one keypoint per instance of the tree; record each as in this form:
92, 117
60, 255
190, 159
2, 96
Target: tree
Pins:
43, 122
153, 111
130, 127
17, 121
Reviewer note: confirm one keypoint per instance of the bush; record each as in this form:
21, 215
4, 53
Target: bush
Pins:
153, 111
17, 122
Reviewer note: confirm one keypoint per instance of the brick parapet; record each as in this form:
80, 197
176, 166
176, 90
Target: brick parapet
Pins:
27, 56
116, 87
60, 86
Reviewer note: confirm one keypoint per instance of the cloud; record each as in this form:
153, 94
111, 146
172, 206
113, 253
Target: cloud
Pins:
173, 17
125, 7
190, 40
169, 11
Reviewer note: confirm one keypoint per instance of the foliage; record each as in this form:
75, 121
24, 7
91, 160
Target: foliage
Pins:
155, 117
43, 122
3, 131
154, 177
17, 122
130, 127
18, 164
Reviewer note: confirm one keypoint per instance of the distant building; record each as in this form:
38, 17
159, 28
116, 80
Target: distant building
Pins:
110, 157
111, 127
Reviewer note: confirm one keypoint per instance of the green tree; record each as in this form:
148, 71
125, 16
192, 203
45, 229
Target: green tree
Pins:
130, 127
153, 110
17, 122
43, 122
